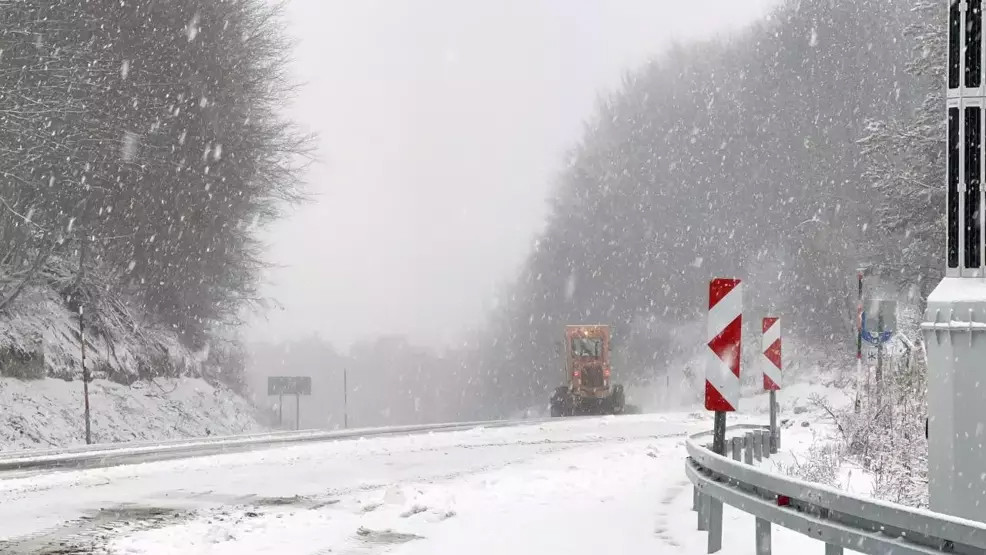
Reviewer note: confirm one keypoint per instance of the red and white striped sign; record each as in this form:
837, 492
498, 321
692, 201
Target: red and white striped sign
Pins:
725, 328
771, 362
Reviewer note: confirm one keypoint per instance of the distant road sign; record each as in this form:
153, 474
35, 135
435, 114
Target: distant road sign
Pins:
289, 385
771, 363
885, 309
879, 321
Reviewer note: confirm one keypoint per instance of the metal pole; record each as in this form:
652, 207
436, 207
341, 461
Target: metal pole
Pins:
719, 433
763, 537
703, 512
775, 434
715, 525
879, 354
859, 337
345, 398
859, 320
297, 411
85, 375
712, 506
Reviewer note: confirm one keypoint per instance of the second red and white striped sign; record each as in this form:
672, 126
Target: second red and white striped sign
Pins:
724, 334
771, 362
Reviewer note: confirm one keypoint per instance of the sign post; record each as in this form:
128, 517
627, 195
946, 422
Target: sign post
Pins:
289, 385
859, 334
722, 368
772, 368
884, 314
85, 376
722, 377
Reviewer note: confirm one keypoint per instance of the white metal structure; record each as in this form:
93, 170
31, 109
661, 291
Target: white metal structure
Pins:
966, 96
956, 314
839, 519
954, 337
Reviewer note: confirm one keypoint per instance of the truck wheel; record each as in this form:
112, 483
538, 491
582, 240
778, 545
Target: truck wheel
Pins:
618, 400
559, 401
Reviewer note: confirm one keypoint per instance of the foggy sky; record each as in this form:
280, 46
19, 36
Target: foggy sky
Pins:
442, 124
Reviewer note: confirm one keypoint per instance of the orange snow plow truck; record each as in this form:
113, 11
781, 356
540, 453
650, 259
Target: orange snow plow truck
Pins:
588, 373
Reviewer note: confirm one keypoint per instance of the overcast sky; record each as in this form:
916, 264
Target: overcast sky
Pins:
442, 125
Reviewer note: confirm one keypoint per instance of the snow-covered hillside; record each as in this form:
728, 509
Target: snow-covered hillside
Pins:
49, 412
41, 400
39, 336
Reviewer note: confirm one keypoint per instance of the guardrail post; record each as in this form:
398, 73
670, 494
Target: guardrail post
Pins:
765, 443
763, 537
737, 446
715, 524
833, 549
703, 512
775, 430
757, 455
748, 448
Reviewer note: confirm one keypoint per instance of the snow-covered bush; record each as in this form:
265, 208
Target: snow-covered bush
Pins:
820, 465
885, 434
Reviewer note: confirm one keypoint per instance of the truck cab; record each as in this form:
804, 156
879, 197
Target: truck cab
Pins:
588, 373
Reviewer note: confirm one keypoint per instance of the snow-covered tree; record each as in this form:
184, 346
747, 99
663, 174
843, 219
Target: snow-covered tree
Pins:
906, 167
714, 159
144, 148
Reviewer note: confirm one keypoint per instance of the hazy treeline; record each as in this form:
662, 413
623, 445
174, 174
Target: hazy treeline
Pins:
142, 150
388, 381
787, 155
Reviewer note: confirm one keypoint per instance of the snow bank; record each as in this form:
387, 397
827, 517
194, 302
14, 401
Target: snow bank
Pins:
49, 412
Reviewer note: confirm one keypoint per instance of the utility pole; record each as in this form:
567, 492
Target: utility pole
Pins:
345, 398
82, 337
85, 376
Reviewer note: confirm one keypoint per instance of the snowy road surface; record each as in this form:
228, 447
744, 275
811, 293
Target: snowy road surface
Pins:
598, 485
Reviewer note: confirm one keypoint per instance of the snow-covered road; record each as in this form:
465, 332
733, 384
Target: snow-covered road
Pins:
595, 485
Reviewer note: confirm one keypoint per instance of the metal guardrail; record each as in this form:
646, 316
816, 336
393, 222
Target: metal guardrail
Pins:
93, 456
841, 520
